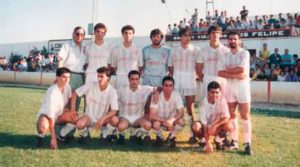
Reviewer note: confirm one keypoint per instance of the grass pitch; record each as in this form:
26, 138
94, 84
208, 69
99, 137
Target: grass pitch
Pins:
276, 141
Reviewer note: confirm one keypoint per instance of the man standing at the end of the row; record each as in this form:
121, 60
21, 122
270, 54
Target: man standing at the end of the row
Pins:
235, 66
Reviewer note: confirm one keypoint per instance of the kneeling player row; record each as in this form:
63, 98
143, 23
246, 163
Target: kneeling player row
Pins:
135, 106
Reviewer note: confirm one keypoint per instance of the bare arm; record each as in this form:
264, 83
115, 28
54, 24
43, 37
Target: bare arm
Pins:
53, 142
227, 75
171, 70
235, 70
73, 101
199, 68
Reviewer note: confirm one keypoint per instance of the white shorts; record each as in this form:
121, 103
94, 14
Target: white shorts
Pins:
91, 77
185, 83
121, 81
131, 118
237, 91
152, 81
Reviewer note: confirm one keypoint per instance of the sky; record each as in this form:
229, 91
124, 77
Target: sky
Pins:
39, 20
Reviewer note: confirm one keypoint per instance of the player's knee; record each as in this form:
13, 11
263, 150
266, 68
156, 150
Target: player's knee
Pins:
181, 122
147, 125
232, 115
80, 125
245, 115
114, 120
122, 126
196, 127
228, 127
156, 125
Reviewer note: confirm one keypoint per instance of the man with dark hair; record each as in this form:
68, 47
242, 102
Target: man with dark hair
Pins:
214, 118
98, 52
125, 57
155, 60
235, 66
72, 55
167, 113
208, 58
101, 108
53, 108
244, 13
182, 66
134, 101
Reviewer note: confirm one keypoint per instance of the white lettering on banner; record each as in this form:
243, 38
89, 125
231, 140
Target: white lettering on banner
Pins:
295, 31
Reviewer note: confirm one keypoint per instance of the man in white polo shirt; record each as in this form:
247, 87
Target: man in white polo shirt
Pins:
208, 58
98, 52
72, 56
214, 118
235, 67
101, 108
182, 67
53, 108
167, 113
125, 57
134, 101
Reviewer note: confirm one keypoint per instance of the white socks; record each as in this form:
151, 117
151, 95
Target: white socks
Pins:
107, 130
176, 130
235, 131
67, 129
247, 130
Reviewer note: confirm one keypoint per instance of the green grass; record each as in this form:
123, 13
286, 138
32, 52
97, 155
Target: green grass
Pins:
276, 141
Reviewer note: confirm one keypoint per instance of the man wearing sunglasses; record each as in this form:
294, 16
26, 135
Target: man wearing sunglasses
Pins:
72, 56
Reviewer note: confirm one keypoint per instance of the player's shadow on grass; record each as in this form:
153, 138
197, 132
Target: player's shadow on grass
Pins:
29, 142
277, 113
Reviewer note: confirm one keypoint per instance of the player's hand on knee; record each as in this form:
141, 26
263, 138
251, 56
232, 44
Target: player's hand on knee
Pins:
212, 130
99, 124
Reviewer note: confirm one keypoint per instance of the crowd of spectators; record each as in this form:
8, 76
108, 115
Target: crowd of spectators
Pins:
242, 22
37, 60
275, 66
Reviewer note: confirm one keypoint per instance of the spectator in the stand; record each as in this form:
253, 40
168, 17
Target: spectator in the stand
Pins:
277, 70
230, 25
298, 63
280, 16
297, 72
195, 28
272, 21
238, 25
22, 66
221, 20
273, 76
252, 74
261, 76
244, 13
195, 17
298, 21
251, 25
290, 20
282, 76
286, 59
245, 23
202, 25
169, 29
292, 77
283, 23
254, 60
183, 23
175, 29
255, 21
216, 15
260, 25
257, 69
267, 70
275, 58
295, 56
264, 54
208, 17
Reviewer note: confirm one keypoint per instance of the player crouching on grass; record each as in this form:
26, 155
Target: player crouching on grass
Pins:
167, 113
134, 102
101, 108
53, 108
214, 118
